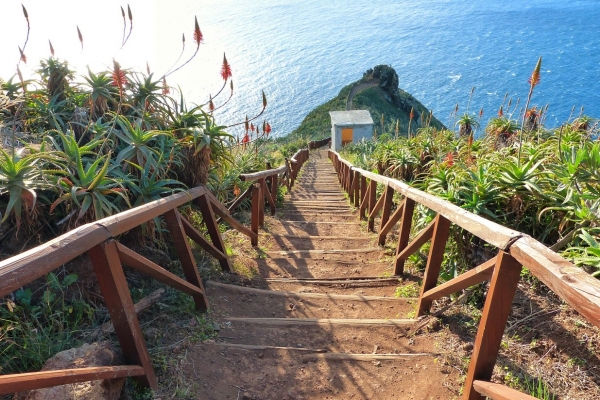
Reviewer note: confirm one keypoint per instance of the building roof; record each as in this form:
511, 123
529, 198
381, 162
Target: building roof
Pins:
354, 117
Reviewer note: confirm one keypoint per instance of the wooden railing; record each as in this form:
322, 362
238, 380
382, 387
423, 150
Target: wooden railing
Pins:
98, 241
515, 250
265, 189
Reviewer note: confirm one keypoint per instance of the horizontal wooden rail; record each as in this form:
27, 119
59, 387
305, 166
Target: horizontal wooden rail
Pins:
263, 174
580, 290
493, 233
496, 391
97, 239
43, 379
26, 267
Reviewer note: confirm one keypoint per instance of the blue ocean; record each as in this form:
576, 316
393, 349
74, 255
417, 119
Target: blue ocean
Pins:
301, 53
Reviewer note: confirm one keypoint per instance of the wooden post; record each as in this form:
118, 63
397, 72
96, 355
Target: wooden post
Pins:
434, 261
356, 189
404, 233
109, 272
184, 252
255, 211
213, 231
372, 201
274, 188
387, 209
349, 183
363, 187
493, 321
261, 208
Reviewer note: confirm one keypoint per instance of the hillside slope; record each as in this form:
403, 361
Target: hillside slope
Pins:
384, 99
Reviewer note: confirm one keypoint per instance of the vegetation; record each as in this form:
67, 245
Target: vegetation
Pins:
74, 149
552, 193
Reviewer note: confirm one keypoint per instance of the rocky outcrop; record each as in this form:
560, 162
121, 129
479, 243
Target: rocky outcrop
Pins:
89, 355
389, 84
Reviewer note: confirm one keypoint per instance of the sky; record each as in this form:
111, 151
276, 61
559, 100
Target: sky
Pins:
157, 30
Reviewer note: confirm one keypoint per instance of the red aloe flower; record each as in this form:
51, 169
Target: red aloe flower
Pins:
412, 113
211, 105
268, 129
165, 89
51, 48
252, 127
197, 33
247, 125
225, 69
481, 113
118, 77
236, 190
500, 112
246, 139
449, 160
534, 79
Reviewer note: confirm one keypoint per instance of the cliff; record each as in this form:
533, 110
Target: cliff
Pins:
378, 92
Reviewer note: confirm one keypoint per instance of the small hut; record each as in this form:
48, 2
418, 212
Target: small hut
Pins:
350, 126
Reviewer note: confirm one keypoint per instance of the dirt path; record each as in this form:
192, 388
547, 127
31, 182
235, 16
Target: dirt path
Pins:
320, 320
357, 88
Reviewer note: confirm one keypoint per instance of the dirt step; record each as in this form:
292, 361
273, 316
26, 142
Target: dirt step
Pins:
319, 268
384, 337
297, 216
327, 228
291, 242
315, 198
347, 254
282, 374
372, 287
340, 208
238, 301
325, 202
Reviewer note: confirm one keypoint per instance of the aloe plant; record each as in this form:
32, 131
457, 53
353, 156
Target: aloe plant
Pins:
21, 179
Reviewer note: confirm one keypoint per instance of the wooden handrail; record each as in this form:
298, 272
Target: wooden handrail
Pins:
97, 239
493, 233
38, 380
580, 290
263, 174
26, 267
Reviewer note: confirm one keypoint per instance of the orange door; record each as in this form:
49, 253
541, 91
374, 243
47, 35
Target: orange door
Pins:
346, 136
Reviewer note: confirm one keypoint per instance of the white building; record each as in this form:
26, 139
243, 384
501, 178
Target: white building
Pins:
350, 126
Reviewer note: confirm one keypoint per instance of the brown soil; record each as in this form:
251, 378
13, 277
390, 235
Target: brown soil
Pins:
288, 322
272, 341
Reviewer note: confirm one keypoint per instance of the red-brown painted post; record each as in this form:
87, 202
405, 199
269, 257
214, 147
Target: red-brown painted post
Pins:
255, 213
350, 182
274, 188
213, 231
404, 233
184, 252
372, 201
356, 189
261, 202
109, 272
434, 261
363, 190
386, 210
496, 310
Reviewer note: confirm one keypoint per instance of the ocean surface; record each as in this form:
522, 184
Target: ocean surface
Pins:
301, 53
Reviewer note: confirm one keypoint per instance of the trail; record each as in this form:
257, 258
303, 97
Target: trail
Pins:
321, 320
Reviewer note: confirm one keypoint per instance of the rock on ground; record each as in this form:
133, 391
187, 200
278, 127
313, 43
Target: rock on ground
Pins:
89, 355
